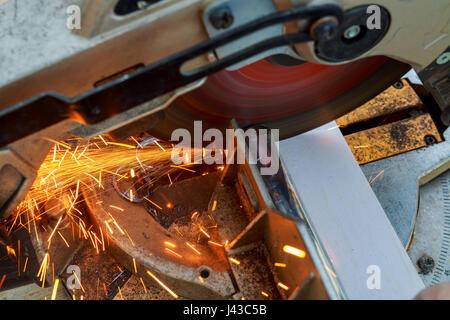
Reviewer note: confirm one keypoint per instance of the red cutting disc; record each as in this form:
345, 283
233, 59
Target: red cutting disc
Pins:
292, 99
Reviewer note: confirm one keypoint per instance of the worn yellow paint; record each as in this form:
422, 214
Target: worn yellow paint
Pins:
392, 139
389, 101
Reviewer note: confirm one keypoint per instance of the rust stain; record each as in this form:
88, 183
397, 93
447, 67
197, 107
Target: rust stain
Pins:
389, 101
392, 139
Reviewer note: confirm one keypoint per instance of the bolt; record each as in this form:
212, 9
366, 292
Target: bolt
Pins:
204, 273
398, 85
444, 58
326, 31
142, 4
430, 140
352, 32
211, 57
324, 28
221, 18
426, 264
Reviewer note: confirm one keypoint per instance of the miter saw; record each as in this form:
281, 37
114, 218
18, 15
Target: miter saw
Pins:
87, 68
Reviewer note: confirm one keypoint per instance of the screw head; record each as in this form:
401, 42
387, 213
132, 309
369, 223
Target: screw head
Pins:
352, 32
326, 31
430, 140
426, 264
221, 18
142, 4
398, 85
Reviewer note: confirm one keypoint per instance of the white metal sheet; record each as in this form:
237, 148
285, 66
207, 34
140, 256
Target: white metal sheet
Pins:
347, 218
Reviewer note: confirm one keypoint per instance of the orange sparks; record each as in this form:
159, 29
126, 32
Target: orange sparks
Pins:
120, 292
134, 264
118, 227
106, 143
156, 142
25, 265
108, 227
62, 144
294, 251
193, 248
137, 142
117, 208
82, 152
330, 271
53, 232
77, 190
115, 173
48, 175
132, 173
215, 243
169, 205
63, 157
67, 244
84, 231
162, 284
283, 286
74, 152
145, 288
205, 233
115, 223
103, 241
54, 153
264, 294
104, 289
35, 204
235, 261
173, 253
214, 205
121, 145
10, 251
43, 268
376, 177
55, 289
129, 238
280, 265
169, 244
78, 280
131, 195
153, 203
100, 179
179, 167
3, 280
92, 240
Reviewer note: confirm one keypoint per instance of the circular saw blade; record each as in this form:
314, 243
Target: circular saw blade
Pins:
292, 99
